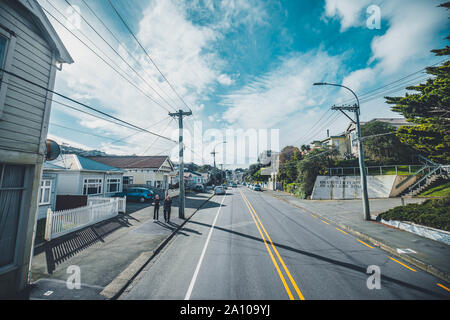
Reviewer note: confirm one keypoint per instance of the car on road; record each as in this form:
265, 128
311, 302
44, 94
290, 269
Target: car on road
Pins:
137, 194
199, 188
219, 190
257, 187
234, 185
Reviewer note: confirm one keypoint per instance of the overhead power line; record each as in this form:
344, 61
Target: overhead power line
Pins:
125, 48
117, 53
103, 59
146, 53
86, 106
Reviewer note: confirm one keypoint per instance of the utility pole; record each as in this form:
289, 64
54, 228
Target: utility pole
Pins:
214, 155
356, 109
362, 167
180, 115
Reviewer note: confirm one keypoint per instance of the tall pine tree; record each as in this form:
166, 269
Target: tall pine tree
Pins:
429, 109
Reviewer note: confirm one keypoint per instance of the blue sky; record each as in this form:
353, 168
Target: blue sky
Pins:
239, 64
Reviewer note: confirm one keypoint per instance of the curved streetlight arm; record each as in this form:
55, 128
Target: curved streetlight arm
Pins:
339, 85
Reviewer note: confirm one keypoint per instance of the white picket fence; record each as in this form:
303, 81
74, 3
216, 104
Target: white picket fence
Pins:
122, 202
63, 222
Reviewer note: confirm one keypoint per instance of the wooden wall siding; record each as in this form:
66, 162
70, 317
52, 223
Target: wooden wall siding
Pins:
23, 113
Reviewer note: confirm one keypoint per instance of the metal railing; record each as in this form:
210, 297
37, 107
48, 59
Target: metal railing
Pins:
63, 222
437, 171
375, 170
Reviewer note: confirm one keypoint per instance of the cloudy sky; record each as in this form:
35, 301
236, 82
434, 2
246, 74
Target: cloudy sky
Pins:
237, 64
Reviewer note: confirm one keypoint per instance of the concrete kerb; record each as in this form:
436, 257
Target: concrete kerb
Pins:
393, 251
116, 287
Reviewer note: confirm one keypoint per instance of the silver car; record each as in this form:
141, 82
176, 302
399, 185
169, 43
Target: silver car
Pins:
219, 190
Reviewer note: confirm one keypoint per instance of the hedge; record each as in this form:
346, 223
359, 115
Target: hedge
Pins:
434, 213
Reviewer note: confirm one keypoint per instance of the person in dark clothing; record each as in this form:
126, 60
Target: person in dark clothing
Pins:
167, 207
156, 212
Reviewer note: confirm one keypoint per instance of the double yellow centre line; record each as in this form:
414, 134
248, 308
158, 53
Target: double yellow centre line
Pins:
266, 238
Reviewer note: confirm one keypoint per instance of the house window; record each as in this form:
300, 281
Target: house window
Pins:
92, 186
45, 192
3, 43
128, 180
113, 185
12, 179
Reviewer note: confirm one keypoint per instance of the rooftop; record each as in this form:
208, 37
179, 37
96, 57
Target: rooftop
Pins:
128, 162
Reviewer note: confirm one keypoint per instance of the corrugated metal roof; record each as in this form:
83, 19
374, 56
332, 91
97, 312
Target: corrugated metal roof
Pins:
48, 165
153, 162
88, 164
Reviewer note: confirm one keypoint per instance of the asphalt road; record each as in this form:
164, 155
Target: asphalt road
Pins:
249, 245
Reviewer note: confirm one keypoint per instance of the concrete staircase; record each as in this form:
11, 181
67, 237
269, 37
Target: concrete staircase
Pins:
436, 173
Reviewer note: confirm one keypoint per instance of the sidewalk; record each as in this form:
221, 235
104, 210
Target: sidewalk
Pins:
431, 256
108, 254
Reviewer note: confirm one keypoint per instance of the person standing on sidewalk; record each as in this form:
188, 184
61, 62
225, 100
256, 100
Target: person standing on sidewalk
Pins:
156, 210
167, 208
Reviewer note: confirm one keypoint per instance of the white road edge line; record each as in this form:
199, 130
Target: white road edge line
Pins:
197, 269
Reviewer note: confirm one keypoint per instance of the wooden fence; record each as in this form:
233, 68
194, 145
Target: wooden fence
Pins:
62, 222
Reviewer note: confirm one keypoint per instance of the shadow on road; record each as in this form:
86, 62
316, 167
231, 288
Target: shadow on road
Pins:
60, 249
362, 269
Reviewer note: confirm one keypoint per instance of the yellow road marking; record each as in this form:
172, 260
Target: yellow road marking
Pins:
313, 216
402, 264
364, 243
291, 297
442, 286
276, 251
324, 221
342, 231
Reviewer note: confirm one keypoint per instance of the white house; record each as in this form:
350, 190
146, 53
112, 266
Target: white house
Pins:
78, 175
153, 171
30, 54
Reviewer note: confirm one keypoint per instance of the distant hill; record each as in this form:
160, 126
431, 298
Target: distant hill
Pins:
66, 149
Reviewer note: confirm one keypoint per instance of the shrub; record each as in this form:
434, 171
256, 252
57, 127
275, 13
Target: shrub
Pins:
434, 213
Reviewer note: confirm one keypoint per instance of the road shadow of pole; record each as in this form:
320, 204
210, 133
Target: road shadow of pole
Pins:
354, 267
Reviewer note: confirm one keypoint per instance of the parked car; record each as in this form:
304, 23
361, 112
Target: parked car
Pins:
219, 190
137, 194
257, 187
199, 188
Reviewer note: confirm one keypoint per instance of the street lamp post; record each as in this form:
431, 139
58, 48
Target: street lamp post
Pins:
362, 169
214, 154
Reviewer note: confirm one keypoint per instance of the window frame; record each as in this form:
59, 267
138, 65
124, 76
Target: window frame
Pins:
87, 182
42, 189
19, 237
118, 182
6, 64
130, 178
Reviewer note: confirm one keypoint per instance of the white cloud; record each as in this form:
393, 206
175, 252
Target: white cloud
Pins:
348, 11
282, 96
225, 80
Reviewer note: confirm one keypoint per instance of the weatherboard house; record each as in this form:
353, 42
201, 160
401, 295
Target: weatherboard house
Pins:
77, 175
153, 171
30, 54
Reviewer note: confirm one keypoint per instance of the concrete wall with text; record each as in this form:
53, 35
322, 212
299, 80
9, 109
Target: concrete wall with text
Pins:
349, 187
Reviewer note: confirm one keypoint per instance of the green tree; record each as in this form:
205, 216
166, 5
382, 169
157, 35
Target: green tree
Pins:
429, 109
383, 146
313, 164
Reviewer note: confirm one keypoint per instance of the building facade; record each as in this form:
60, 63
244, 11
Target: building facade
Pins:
30, 54
154, 171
